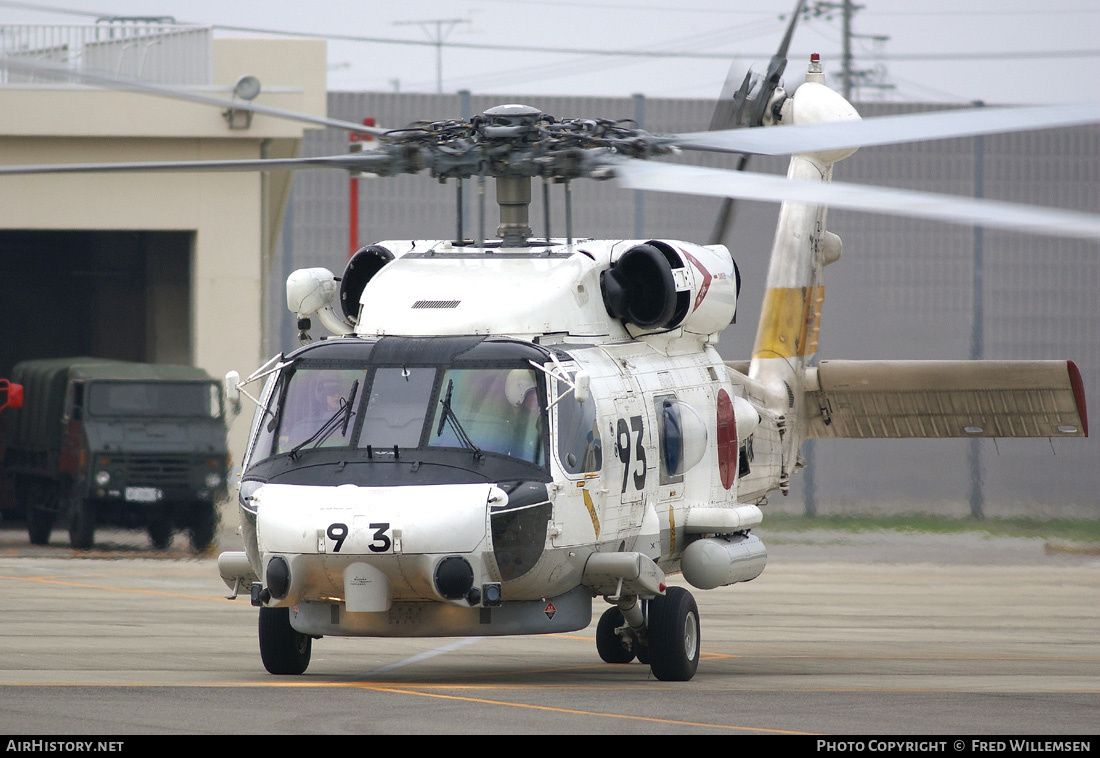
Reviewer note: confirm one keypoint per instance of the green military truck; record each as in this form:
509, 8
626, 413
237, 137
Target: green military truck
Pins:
110, 442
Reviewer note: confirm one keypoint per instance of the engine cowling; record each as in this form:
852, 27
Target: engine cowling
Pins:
659, 286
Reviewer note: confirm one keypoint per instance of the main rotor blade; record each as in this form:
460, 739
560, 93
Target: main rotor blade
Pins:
889, 130
352, 162
785, 45
176, 93
693, 180
725, 212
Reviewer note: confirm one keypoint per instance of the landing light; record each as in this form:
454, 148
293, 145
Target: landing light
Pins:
490, 594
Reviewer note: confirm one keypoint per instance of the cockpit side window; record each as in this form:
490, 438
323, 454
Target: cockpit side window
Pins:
579, 447
260, 435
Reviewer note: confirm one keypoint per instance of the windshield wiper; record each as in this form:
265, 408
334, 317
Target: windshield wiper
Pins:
449, 415
339, 420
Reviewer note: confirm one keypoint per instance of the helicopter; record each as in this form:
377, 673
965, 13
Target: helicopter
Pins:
499, 430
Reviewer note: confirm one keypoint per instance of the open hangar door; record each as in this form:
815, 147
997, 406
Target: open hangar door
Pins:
108, 294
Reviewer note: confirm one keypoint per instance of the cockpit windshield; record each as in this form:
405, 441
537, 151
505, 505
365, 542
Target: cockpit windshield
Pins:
398, 404
497, 410
310, 409
383, 410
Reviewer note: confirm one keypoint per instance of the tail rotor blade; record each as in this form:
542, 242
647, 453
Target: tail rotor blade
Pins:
738, 110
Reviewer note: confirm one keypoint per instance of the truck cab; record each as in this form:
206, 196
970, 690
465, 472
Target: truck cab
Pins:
111, 442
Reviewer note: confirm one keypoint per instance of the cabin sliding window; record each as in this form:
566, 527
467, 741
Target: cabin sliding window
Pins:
682, 436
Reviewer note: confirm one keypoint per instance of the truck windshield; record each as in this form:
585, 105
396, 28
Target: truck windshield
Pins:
153, 399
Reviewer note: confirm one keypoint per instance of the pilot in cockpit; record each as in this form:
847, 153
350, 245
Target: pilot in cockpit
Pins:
521, 391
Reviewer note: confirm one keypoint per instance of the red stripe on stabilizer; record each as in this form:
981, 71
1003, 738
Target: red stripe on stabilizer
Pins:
1078, 394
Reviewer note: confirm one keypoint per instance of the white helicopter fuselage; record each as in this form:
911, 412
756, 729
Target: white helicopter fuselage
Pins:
652, 454
663, 443
502, 431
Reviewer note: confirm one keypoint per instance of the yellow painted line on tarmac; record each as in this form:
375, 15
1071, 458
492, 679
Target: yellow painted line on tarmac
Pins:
761, 652
938, 690
83, 586
578, 712
411, 691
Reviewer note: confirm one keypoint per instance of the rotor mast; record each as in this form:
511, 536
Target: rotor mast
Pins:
514, 199
517, 124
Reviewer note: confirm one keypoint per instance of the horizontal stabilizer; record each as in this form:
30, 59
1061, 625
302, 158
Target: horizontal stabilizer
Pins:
940, 399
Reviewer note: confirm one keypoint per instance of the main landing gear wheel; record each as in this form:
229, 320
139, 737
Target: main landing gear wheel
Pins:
283, 649
674, 635
612, 647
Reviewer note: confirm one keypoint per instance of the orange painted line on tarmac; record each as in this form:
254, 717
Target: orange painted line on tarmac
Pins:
134, 590
578, 712
762, 652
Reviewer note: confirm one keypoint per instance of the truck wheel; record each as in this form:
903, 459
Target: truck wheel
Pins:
203, 526
674, 635
38, 503
39, 525
160, 532
283, 649
82, 525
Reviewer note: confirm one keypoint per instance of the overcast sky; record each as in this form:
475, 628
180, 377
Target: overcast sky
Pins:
949, 51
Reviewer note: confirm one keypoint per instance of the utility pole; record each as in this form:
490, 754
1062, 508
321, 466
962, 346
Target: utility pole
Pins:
847, 10
443, 29
850, 78
977, 323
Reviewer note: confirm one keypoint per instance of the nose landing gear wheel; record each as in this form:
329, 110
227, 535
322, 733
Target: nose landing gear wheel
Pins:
283, 649
674, 635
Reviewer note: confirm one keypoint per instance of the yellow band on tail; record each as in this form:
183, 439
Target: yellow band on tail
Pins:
789, 322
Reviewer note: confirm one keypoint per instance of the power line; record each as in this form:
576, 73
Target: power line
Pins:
600, 52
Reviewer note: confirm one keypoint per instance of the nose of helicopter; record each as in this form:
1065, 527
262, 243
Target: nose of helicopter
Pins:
372, 545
